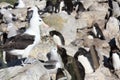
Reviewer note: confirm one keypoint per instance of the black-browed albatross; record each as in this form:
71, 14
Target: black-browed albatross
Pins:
22, 44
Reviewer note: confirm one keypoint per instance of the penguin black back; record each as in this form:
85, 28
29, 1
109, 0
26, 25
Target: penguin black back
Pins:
73, 66
113, 46
113, 50
63, 54
60, 74
80, 7
81, 51
16, 4
54, 32
110, 11
109, 14
110, 4
99, 32
4, 37
69, 6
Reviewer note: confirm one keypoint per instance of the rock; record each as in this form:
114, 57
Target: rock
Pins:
100, 43
118, 73
95, 56
81, 24
67, 25
107, 34
112, 22
102, 47
116, 9
34, 71
117, 40
87, 3
118, 1
40, 3
101, 73
88, 42
111, 31
101, 23
71, 50
69, 28
101, 0
92, 16
99, 7
4, 4
95, 76
3, 27
77, 42
20, 13
20, 24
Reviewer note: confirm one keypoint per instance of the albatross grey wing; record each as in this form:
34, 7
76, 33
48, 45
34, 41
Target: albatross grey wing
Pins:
20, 41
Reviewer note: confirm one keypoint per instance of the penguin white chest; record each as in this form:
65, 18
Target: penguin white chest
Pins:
94, 31
57, 40
86, 64
21, 4
116, 61
61, 5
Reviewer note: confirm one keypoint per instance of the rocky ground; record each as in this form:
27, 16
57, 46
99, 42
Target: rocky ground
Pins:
75, 34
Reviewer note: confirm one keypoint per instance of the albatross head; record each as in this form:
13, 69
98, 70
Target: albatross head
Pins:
54, 50
34, 18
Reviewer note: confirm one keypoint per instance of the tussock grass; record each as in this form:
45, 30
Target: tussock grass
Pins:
9, 1
53, 1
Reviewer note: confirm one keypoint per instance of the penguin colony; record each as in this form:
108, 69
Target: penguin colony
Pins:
17, 43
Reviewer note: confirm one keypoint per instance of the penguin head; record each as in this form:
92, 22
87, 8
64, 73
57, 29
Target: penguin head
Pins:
52, 55
52, 33
9, 7
81, 51
57, 37
62, 51
98, 32
113, 45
